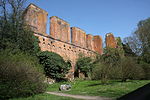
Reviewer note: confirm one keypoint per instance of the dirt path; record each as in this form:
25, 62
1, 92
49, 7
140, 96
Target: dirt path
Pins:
79, 96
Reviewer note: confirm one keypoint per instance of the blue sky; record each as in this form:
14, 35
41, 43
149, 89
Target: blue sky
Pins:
98, 17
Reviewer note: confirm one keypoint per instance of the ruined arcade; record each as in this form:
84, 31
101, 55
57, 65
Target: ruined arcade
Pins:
64, 40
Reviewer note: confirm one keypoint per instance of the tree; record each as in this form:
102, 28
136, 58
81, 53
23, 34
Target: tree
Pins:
54, 65
139, 42
14, 33
106, 65
127, 50
130, 69
111, 56
85, 65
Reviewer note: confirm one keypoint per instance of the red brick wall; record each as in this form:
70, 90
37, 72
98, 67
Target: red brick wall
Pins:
66, 50
60, 36
89, 42
110, 41
98, 44
78, 37
59, 29
36, 18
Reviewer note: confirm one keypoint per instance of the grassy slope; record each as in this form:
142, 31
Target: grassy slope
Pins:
45, 97
95, 88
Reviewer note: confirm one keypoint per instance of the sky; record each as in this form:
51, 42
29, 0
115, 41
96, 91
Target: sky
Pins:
98, 17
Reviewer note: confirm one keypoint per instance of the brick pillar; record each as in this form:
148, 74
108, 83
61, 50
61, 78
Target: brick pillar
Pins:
110, 41
36, 18
78, 37
89, 41
98, 43
59, 29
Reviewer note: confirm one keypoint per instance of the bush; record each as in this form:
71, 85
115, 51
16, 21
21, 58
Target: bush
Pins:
101, 72
18, 37
19, 76
54, 65
130, 69
146, 68
85, 65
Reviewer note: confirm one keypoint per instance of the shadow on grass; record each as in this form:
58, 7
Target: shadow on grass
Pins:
101, 84
113, 82
142, 93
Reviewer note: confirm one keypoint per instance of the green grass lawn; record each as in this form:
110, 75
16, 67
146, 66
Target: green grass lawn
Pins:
95, 88
45, 97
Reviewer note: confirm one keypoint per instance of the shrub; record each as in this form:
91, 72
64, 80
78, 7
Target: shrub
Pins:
111, 56
146, 68
85, 65
101, 72
20, 37
54, 65
130, 69
19, 76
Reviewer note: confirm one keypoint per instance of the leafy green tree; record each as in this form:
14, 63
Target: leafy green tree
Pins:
14, 33
54, 65
128, 51
101, 71
139, 42
107, 64
85, 65
130, 69
111, 56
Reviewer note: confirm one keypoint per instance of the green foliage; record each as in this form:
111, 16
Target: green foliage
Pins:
20, 76
106, 65
54, 65
101, 72
85, 65
112, 65
139, 41
143, 33
14, 33
146, 68
111, 56
18, 37
120, 46
130, 69
128, 51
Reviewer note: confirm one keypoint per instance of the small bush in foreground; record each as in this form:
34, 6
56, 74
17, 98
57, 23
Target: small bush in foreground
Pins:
19, 77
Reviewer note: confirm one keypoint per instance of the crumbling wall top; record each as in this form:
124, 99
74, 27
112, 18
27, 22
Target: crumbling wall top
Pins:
31, 5
59, 19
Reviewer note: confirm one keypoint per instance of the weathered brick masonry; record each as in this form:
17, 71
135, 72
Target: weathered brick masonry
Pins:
110, 41
67, 42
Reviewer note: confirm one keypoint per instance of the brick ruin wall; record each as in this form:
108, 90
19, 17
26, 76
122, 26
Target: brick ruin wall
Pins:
64, 40
110, 41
